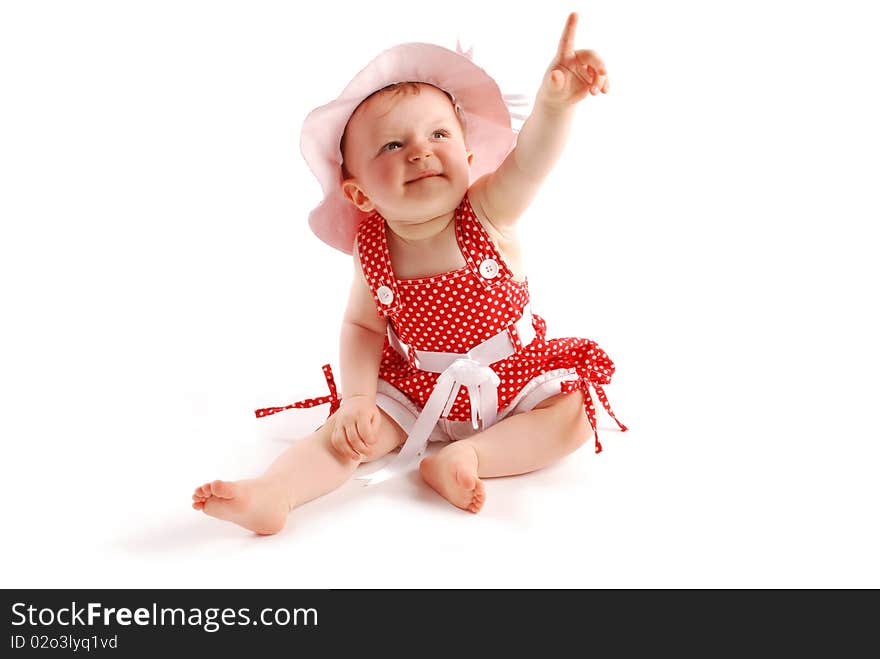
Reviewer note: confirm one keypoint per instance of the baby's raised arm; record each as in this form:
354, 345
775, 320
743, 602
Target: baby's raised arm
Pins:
360, 352
504, 194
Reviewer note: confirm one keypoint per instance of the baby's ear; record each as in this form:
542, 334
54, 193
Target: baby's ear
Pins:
356, 195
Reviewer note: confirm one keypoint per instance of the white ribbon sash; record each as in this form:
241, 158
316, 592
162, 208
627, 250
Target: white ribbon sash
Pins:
470, 370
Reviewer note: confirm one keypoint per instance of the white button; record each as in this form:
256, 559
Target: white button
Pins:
385, 294
489, 268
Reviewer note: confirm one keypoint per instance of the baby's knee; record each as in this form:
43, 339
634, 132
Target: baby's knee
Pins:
571, 427
579, 434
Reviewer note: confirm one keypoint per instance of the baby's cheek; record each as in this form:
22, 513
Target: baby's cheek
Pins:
461, 155
386, 171
457, 163
378, 179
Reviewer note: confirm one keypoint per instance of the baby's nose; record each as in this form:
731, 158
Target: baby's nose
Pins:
419, 153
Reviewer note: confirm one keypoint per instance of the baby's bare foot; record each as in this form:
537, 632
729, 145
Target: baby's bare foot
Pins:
255, 504
453, 474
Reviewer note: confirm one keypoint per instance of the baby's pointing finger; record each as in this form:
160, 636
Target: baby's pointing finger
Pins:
566, 42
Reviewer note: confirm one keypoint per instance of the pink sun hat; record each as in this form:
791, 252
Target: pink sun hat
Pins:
483, 108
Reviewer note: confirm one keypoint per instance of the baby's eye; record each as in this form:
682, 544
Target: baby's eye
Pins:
392, 146
440, 134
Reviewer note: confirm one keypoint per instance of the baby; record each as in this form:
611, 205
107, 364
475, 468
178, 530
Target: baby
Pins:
438, 340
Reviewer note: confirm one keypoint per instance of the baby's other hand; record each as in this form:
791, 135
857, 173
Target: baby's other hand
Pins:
573, 74
356, 428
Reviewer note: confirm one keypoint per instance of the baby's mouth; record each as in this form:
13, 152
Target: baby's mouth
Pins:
426, 174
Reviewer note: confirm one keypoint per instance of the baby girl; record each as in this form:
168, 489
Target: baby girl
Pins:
424, 182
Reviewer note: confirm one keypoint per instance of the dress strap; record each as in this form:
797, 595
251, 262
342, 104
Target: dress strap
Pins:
480, 254
372, 245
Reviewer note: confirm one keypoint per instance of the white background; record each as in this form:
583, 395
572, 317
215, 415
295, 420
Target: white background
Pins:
711, 224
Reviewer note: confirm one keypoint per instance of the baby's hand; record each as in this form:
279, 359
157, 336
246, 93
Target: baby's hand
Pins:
357, 425
573, 73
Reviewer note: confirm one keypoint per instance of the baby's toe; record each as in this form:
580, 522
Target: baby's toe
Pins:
222, 489
476, 505
479, 497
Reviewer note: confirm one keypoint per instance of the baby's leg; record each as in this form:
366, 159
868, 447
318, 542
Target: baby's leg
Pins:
518, 444
305, 471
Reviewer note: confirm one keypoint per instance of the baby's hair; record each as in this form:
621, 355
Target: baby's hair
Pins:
399, 88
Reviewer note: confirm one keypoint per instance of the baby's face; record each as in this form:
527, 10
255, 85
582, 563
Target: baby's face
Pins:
407, 156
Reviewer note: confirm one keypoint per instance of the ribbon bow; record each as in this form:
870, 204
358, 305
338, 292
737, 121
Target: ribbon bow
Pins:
482, 386
594, 370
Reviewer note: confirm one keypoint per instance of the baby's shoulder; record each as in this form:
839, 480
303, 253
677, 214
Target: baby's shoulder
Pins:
505, 240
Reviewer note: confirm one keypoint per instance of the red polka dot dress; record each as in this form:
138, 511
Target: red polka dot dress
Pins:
455, 311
